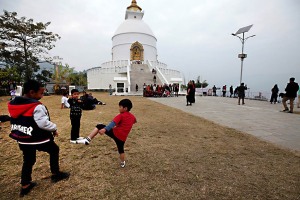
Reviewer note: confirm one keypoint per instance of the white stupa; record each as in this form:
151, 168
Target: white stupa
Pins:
134, 56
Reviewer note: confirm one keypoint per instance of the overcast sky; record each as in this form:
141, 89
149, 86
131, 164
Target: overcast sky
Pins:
193, 36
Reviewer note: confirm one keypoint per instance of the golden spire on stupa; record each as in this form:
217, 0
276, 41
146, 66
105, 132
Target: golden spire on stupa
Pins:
134, 6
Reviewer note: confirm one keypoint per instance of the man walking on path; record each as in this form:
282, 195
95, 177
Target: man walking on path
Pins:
291, 93
241, 93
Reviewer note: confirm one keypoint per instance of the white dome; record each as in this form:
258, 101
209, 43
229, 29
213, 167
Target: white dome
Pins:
134, 26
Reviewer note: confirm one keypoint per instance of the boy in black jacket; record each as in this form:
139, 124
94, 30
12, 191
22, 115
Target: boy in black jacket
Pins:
32, 129
75, 115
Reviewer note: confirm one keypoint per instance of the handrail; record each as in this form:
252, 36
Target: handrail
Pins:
128, 76
160, 74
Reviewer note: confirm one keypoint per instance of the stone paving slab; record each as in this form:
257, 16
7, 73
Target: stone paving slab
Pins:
258, 118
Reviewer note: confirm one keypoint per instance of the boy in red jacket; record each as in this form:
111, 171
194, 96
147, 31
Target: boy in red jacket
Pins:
32, 129
118, 129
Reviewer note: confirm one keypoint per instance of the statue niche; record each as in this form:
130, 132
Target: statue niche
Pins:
137, 52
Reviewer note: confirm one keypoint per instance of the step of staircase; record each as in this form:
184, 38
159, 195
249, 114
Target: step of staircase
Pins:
141, 74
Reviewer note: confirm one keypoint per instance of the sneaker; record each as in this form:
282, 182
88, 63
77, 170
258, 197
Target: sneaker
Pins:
285, 110
25, 191
85, 141
73, 141
80, 138
122, 164
60, 176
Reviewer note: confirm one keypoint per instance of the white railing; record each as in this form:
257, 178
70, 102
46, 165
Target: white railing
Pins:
149, 65
170, 72
158, 64
108, 70
112, 67
158, 72
117, 63
128, 75
251, 94
161, 76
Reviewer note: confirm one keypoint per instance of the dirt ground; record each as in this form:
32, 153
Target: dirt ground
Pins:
170, 155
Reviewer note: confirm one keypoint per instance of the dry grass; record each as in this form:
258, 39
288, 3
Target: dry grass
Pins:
170, 155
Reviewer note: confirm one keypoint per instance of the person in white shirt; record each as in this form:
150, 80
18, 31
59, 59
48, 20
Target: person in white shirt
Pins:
64, 101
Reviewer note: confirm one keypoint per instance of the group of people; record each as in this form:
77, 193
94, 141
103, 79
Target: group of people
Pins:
237, 92
160, 90
87, 101
32, 129
292, 90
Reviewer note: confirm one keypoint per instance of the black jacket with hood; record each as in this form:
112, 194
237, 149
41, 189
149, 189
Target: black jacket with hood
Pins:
30, 121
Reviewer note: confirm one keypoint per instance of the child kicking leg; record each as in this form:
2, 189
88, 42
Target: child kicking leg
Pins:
118, 129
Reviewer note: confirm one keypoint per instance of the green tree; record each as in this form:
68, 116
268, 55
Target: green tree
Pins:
8, 74
78, 78
44, 76
200, 84
62, 74
24, 44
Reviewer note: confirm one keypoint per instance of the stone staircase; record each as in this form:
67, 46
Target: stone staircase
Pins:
141, 74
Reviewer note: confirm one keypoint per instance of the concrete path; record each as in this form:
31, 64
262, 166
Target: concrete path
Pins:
258, 118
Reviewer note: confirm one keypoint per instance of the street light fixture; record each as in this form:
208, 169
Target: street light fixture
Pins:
242, 56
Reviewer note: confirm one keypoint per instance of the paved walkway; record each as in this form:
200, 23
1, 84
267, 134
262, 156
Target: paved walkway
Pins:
258, 118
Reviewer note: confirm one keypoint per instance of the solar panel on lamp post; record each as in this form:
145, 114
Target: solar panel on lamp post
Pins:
242, 39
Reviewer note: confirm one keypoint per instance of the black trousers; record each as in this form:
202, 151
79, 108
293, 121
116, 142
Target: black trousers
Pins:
29, 158
273, 98
119, 143
75, 123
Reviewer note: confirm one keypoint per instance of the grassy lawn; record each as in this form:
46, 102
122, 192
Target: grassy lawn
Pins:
170, 155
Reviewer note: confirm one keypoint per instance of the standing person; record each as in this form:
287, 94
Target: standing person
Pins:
214, 91
241, 93
189, 94
274, 94
224, 91
193, 100
118, 129
12, 94
32, 129
75, 115
136, 87
110, 89
64, 101
291, 93
144, 89
154, 79
176, 90
231, 91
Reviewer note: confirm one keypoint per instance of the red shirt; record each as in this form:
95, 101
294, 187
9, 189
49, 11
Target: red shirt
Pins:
124, 122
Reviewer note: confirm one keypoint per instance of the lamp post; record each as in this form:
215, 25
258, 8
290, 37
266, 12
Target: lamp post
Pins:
242, 39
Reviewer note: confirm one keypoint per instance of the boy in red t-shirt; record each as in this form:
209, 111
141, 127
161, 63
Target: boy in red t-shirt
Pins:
118, 129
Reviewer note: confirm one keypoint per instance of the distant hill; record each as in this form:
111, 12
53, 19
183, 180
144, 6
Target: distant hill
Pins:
43, 66
46, 66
